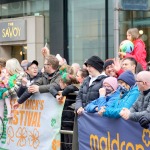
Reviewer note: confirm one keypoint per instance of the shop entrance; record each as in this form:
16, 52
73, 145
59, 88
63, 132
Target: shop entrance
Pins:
19, 52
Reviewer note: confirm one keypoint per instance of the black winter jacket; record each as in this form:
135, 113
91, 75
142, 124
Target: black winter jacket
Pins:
22, 88
89, 93
45, 83
68, 111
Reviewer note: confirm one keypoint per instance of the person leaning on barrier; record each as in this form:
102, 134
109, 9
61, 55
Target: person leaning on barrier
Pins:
50, 78
16, 74
141, 108
145, 120
108, 94
128, 95
67, 79
32, 75
64, 93
89, 90
68, 85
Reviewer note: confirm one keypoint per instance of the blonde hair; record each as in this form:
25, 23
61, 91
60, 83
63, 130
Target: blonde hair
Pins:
134, 33
13, 66
68, 79
66, 69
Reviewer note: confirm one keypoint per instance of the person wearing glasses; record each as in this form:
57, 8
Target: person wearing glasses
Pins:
50, 78
32, 75
141, 108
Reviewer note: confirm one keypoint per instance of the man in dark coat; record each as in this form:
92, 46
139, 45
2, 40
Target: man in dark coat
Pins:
33, 74
89, 90
50, 78
140, 110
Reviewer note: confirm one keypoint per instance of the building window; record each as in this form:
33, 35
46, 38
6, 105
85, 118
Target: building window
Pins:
135, 19
20, 8
86, 29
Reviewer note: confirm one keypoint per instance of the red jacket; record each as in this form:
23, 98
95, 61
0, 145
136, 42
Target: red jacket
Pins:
139, 53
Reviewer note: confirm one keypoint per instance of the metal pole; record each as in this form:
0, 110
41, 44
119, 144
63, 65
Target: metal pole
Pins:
106, 30
116, 28
66, 132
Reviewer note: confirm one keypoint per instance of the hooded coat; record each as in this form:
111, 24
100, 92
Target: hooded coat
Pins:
125, 101
139, 53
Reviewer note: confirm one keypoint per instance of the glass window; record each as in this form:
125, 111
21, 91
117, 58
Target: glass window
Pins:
86, 29
138, 19
20, 8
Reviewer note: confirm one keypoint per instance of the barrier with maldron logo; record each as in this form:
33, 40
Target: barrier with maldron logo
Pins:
101, 133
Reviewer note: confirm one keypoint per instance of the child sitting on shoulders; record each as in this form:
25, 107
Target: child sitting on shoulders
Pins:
139, 51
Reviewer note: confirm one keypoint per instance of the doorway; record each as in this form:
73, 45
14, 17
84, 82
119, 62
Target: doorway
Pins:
19, 52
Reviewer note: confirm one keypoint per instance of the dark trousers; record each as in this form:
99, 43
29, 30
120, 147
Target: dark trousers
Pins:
66, 140
67, 143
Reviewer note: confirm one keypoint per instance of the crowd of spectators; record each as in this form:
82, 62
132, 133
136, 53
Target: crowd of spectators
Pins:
115, 88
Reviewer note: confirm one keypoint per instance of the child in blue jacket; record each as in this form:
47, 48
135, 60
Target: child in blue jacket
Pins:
128, 95
108, 93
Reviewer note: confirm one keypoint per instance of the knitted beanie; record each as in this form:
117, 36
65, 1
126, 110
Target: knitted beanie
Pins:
107, 63
127, 77
112, 81
95, 62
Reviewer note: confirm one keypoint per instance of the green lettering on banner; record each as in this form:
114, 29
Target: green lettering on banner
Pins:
30, 128
3, 149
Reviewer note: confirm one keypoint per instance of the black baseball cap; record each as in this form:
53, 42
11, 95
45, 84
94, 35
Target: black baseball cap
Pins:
31, 63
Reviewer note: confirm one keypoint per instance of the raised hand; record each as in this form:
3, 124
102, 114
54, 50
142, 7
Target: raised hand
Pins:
45, 51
